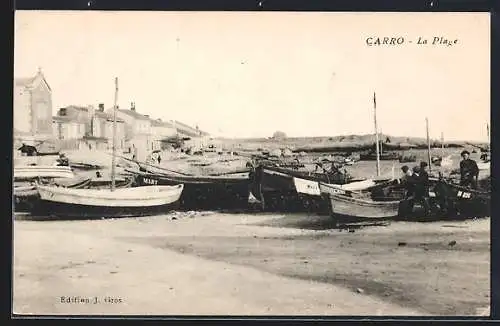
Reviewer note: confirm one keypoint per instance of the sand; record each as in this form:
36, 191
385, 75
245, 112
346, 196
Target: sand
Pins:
250, 264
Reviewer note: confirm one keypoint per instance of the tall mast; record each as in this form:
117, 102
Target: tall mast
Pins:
488, 132
376, 133
442, 144
428, 143
113, 159
381, 140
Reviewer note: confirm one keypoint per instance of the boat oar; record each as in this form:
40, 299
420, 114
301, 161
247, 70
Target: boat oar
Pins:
154, 166
229, 173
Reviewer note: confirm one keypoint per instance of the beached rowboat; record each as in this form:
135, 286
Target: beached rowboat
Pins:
91, 203
42, 171
341, 204
26, 193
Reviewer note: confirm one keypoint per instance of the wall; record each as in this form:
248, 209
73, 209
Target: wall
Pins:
41, 104
22, 109
120, 134
129, 123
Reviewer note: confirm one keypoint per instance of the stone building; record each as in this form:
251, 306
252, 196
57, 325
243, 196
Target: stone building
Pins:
32, 109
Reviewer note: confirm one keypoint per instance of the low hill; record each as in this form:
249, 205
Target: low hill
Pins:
339, 143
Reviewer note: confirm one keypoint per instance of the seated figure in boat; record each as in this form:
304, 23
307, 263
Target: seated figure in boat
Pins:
334, 172
420, 187
469, 171
62, 160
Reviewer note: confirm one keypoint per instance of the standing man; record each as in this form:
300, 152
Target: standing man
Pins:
422, 188
469, 171
407, 173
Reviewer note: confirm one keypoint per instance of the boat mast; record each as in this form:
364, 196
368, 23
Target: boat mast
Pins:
376, 133
113, 159
381, 141
428, 142
488, 132
442, 144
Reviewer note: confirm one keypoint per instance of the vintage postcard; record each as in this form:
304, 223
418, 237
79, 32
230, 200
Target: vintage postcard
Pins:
251, 163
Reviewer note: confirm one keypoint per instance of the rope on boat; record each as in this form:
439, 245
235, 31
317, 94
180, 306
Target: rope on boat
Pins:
154, 166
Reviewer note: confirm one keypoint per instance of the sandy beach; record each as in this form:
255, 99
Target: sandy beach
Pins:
209, 263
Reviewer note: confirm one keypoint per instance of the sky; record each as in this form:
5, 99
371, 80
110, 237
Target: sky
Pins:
249, 74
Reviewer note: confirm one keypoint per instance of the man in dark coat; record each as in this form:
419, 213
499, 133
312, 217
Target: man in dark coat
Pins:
62, 160
27, 149
469, 171
408, 181
422, 188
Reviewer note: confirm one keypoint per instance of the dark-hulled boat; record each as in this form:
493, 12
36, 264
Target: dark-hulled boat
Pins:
470, 202
385, 156
287, 189
228, 191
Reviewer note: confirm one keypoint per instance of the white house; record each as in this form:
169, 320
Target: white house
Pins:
138, 131
33, 106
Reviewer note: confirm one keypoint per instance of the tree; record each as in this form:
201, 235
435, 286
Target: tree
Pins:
279, 135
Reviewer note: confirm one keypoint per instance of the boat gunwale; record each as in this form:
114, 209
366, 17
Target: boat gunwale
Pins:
97, 193
361, 201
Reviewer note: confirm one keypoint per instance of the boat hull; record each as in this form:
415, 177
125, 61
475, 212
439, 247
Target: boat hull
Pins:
26, 193
37, 171
48, 210
204, 192
344, 206
90, 203
283, 192
382, 157
471, 202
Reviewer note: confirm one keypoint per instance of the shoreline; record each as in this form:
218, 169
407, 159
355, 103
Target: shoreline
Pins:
192, 265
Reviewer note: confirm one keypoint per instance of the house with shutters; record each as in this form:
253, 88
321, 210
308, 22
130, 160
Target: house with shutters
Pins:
32, 107
79, 127
138, 131
162, 131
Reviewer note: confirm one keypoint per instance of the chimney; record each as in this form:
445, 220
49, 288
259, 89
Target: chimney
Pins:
132, 106
90, 110
101, 107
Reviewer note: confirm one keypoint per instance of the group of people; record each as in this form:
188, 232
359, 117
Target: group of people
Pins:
416, 181
154, 158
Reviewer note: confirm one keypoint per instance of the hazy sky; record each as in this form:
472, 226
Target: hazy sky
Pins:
249, 74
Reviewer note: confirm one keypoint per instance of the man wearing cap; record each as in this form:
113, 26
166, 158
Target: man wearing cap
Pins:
469, 171
62, 160
422, 188
407, 180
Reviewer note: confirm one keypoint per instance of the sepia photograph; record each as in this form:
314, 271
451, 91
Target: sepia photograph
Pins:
224, 163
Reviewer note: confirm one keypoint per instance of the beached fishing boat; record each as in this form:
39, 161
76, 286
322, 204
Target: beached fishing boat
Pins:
343, 205
470, 202
290, 189
42, 171
208, 192
386, 156
482, 166
26, 192
92, 203
113, 202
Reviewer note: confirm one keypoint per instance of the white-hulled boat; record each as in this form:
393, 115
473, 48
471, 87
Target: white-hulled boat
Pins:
315, 188
446, 161
112, 202
343, 205
482, 166
92, 203
42, 171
